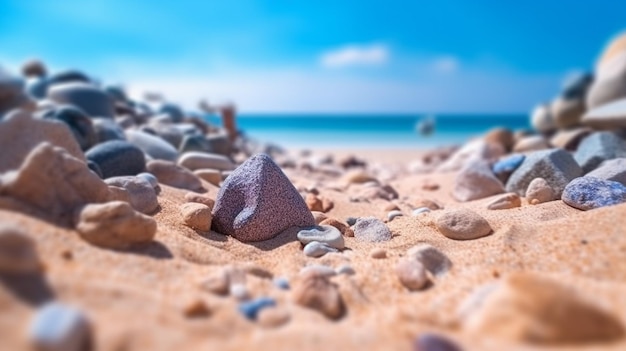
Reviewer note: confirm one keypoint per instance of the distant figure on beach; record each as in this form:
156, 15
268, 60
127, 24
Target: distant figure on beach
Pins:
426, 125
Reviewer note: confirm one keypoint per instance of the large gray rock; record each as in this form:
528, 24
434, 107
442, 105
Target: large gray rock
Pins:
608, 116
599, 147
152, 145
94, 101
257, 202
556, 166
614, 170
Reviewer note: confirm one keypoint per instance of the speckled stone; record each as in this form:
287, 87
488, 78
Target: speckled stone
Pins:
599, 147
325, 234
317, 249
588, 193
250, 309
257, 202
412, 274
57, 327
371, 229
462, 224
117, 158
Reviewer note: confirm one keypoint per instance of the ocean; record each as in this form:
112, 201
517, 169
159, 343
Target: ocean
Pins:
369, 131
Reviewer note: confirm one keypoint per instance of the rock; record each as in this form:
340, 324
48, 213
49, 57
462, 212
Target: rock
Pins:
117, 158
506, 166
316, 292
217, 283
343, 228
272, 317
34, 68
107, 130
505, 202
599, 147
588, 193
196, 215
325, 234
199, 198
476, 181
576, 85
539, 191
18, 254
313, 202
352, 220
173, 111
250, 309
327, 204
378, 253
614, 170
386, 192
434, 342
371, 229
567, 113
433, 260
11, 93
57, 327
610, 82
196, 308
391, 207
169, 173
143, 197
37, 88
531, 143
281, 283
201, 160
474, 150
393, 214
530, 308
318, 269
318, 249
79, 123
257, 202
418, 211
345, 269
541, 119
556, 166
114, 225
195, 143
212, 176
462, 224
570, 138
239, 291
153, 146
608, 116
319, 216
54, 183
220, 144
151, 179
68, 76
500, 136
411, 274
94, 101
21, 133
357, 176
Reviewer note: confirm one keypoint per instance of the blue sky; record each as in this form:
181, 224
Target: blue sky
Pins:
320, 56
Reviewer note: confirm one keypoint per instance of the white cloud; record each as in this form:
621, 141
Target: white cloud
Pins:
355, 55
446, 64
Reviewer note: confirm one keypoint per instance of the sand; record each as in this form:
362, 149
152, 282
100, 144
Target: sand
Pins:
136, 299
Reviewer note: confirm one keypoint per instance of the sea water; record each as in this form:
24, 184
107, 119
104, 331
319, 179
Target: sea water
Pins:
371, 131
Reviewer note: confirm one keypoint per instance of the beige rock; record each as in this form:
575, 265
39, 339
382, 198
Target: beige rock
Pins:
435, 261
319, 216
212, 176
217, 283
194, 160
327, 204
313, 202
505, 202
18, 254
378, 253
570, 138
117, 193
196, 215
315, 291
54, 183
21, 133
541, 119
412, 274
199, 198
357, 176
500, 136
431, 205
476, 181
142, 195
196, 308
539, 191
527, 307
531, 143
171, 174
114, 225
273, 317
567, 113
343, 227
462, 224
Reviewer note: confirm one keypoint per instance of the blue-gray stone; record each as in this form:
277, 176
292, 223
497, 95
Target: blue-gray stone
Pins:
107, 130
150, 178
599, 147
94, 101
614, 170
152, 145
281, 283
506, 166
575, 86
174, 111
37, 88
195, 142
326, 234
69, 76
57, 327
351, 221
317, 249
434, 342
220, 144
251, 309
587, 193
117, 158
556, 166
80, 124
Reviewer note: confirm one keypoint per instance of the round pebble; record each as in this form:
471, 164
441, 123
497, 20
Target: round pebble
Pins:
462, 224
196, 215
326, 234
273, 317
351, 221
17, 251
315, 291
371, 229
317, 249
393, 214
378, 253
419, 211
539, 191
346, 269
412, 274
58, 327
250, 309
150, 178
239, 291
435, 261
505, 202
281, 283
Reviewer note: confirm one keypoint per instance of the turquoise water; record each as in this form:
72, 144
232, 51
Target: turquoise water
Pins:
368, 131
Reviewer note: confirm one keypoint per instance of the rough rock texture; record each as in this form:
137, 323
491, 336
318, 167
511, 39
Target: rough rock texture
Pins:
462, 224
556, 166
587, 193
527, 307
171, 174
153, 146
539, 191
614, 170
196, 215
20, 133
117, 158
597, 148
315, 291
143, 197
476, 181
371, 229
54, 183
17, 251
505, 202
257, 202
114, 225
503, 168
94, 101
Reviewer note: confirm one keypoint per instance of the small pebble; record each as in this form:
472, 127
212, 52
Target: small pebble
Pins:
393, 214
539, 191
273, 317
391, 207
150, 178
412, 274
317, 249
58, 327
197, 309
505, 202
196, 215
371, 229
351, 221
319, 216
327, 204
378, 253
434, 342
17, 251
239, 291
318, 269
346, 269
419, 211
462, 224
217, 283
199, 198
435, 261
281, 283
325, 234
251, 309
315, 291
343, 227
313, 202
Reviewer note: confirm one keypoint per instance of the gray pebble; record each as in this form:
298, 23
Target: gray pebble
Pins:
393, 214
346, 269
326, 234
317, 249
418, 211
371, 229
57, 327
